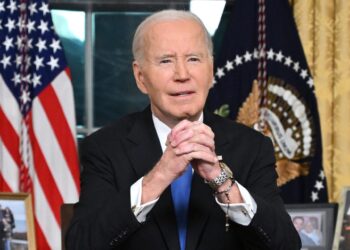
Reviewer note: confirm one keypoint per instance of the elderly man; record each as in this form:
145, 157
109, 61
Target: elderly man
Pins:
174, 176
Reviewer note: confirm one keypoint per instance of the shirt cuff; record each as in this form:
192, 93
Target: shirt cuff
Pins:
140, 211
241, 213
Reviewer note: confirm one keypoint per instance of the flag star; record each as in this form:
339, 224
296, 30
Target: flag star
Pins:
321, 175
256, 54
220, 72
26, 78
55, 45
314, 196
43, 26
29, 44
30, 26
1, 24
36, 80
238, 60
41, 44
32, 8
247, 56
16, 78
18, 60
319, 185
10, 24
288, 61
44, 8
270, 54
19, 42
303, 73
21, 24
5, 61
296, 66
229, 65
279, 57
214, 82
2, 8
53, 62
25, 97
12, 6
8, 43
38, 62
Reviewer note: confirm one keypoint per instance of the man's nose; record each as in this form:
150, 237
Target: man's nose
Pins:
181, 71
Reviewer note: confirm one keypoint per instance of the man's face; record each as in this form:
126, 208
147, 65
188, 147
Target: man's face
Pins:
298, 224
177, 70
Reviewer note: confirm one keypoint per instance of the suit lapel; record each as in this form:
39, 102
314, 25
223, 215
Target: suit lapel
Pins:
144, 151
142, 144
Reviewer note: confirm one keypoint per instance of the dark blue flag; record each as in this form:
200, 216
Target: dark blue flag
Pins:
261, 43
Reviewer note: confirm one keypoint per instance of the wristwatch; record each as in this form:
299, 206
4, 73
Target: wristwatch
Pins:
224, 175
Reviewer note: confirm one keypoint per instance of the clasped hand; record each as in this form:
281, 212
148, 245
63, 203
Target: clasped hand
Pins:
190, 142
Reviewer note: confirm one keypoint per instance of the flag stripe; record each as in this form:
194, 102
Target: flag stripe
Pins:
9, 137
40, 237
62, 176
45, 176
60, 126
8, 170
63, 89
10, 106
46, 219
3, 185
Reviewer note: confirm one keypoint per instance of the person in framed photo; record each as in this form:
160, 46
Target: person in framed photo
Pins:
311, 230
299, 224
9, 225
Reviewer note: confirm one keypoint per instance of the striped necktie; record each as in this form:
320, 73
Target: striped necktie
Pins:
180, 190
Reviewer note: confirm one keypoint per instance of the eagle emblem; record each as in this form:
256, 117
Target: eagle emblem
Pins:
287, 121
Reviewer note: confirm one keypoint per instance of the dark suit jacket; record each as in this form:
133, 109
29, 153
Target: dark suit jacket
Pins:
115, 157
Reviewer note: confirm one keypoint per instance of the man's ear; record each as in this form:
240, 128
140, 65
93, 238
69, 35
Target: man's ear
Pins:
139, 77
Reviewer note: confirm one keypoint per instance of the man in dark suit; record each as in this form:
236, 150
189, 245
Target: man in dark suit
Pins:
175, 176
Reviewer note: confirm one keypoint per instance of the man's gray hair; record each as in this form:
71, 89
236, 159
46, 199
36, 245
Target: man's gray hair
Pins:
165, 15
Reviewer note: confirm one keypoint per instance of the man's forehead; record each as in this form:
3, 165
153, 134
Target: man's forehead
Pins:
169, 29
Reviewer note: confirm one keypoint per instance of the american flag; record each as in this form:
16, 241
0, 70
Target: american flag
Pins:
37, 121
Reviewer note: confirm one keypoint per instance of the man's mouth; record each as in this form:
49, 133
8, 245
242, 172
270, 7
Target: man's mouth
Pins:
184, 93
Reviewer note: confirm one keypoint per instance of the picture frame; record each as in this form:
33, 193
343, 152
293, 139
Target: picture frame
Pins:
17, 222
315, 223
342, 230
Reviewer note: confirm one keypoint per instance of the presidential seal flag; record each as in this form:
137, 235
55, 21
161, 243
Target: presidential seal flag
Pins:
37, 122
263, 81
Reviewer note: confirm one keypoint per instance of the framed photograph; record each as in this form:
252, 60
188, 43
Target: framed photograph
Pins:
315, 224
342, 231
16, 222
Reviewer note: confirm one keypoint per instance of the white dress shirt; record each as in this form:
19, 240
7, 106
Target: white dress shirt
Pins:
241, 213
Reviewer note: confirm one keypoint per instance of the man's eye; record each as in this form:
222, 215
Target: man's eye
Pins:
164, 61
193, 59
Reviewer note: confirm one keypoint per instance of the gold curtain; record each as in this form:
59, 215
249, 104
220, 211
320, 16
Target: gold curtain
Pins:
324, 29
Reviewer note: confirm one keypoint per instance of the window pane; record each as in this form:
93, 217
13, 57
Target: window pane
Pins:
115, 90
70, 26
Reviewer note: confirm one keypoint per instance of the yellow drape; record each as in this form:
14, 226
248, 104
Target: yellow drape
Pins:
324, 29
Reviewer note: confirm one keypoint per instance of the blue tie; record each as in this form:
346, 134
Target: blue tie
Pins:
180, 190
